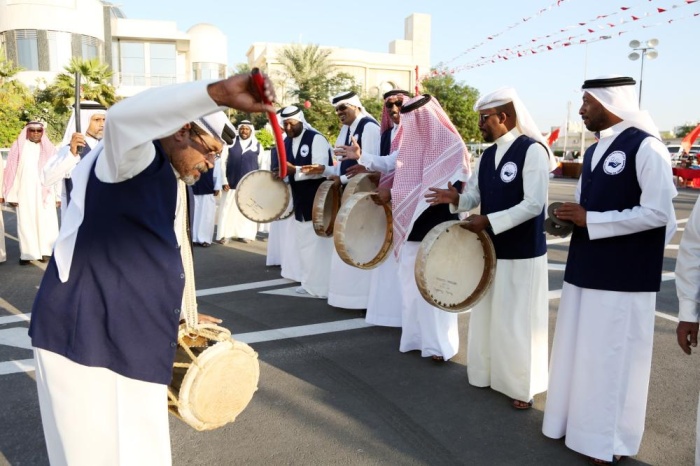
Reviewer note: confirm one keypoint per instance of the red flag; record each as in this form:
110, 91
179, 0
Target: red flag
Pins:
624, 8
554, 135
660, 10
635, 18
690, 138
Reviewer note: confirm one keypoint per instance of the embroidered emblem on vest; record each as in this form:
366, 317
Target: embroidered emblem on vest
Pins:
304, 151
614, 163
508, 172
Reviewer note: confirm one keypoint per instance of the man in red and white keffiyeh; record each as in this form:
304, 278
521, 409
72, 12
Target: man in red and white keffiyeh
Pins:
37, 221
430, 153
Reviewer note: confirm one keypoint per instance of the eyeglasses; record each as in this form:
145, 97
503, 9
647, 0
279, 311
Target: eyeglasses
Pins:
485, 116
341, 107
211, 153
398, 103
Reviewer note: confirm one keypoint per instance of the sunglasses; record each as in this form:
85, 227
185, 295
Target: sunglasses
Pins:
341, 107
35, 130
398, 103
485, 116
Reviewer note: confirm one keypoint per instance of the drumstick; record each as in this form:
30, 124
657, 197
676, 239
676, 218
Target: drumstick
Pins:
259, 83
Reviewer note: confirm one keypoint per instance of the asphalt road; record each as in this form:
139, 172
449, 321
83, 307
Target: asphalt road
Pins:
335, 391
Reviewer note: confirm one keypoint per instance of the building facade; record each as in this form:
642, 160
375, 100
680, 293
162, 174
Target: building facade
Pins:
41, 36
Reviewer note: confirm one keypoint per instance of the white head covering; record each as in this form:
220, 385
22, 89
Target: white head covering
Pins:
88, 108
252, 140
292, 112
523, 120
350, 98
218, 126
617, 94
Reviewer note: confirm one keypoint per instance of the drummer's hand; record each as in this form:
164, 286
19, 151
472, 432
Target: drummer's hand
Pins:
375, 177
315, 169
206, 319
225, 187
382, 196
216, 192
351, 152
476, 223
291, 169
572, 212
238, 92
443, 196
355, 170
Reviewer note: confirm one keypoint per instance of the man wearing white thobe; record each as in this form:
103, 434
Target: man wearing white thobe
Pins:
507, 341
601, 355
305, 146
37, 222
105, 319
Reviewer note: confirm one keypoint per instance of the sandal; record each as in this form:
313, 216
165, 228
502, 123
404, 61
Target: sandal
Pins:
439, 359
616, 460
519, 404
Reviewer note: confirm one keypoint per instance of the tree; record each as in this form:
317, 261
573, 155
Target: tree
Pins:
457, 99
95, 84
682, 131
306, 68
7, 68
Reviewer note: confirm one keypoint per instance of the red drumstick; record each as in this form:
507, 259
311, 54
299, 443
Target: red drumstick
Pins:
259, 82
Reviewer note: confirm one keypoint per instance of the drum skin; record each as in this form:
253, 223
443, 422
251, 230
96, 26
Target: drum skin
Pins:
261, 196
289, 211
325, 209
361, 183
454, 266
214, 388
363, 231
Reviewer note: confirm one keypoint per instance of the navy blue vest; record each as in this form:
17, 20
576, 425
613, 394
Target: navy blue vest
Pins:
431, 217
385, 143
359, 129
523, 241
303, 192
628, 263
120, 307
240, 163
205, 184
274, 160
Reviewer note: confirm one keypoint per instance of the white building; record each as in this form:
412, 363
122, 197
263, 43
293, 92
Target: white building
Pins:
41, 36
375, 72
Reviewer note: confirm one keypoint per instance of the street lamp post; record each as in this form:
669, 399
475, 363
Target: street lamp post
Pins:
647, 50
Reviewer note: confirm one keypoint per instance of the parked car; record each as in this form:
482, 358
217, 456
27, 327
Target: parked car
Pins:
675, 150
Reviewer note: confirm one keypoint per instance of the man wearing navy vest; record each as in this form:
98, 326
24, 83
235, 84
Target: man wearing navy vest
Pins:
306, 146
624, 217
507, 342
105, 319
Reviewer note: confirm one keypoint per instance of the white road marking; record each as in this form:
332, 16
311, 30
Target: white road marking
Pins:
291, 291
17, 337
15, 318
243, 287
13, 367
302, 331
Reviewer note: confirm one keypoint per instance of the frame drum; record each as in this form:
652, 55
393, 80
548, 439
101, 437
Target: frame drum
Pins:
454, 266
361, 183
214, 377
261, 196
289, 211
325, 209
363, 231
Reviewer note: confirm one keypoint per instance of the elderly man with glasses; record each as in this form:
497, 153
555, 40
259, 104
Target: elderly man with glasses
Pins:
37, 221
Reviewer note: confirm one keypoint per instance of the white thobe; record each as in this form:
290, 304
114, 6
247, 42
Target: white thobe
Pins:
688, 286
59, 168
601, 354
92, 415
37, 222
314, 251
3, 252
205, 211
349, 286
507, 341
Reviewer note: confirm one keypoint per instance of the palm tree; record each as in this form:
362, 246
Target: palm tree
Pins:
7, 68
307, 67
95, 84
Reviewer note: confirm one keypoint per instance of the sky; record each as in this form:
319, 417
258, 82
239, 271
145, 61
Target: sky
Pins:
548, 82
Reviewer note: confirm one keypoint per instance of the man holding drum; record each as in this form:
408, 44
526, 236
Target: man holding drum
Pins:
624, 217
306, 146
507, 342
105, 319
437, 158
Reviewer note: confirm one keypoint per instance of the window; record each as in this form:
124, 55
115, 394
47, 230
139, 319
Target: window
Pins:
90, 47
59, 50
133, 63
208, 71
163, 64
27, 49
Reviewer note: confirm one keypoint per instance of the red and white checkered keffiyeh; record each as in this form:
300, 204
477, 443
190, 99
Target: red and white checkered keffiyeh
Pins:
47, 150
387, 180
431, 153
